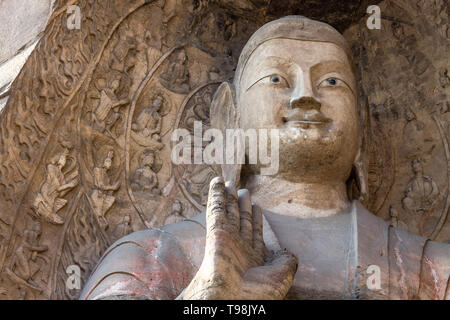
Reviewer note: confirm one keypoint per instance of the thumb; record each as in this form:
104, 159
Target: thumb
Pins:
273, 280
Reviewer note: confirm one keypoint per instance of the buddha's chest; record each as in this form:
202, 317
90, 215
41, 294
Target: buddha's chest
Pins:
325, 250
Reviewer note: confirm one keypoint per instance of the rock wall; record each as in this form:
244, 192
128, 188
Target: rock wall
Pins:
22, 24
403, 76
85, 135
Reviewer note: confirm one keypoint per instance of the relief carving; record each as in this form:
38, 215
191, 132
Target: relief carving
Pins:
123, 228
176, 214
421, 195
102, 198
394, 219
85, 136
145, 178
28, 259
146, 130
57, 183
176, 77
107, 112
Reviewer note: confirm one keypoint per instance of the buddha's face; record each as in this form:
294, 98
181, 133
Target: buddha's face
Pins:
307, 90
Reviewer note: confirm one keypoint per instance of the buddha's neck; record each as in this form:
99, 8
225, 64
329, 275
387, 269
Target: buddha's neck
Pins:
303, 200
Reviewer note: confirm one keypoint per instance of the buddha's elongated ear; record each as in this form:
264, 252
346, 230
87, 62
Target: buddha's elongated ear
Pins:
361, 178
224, 115
359, 172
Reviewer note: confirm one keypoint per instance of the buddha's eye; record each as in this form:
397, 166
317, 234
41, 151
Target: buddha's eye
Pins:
274, 80
277, 80
331, 82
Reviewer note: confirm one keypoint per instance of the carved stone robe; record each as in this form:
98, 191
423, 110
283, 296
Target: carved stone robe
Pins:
335, 254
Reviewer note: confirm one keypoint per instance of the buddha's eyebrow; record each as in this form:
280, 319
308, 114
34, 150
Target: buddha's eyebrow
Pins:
274, 61
268, 62
336, 66
328, 66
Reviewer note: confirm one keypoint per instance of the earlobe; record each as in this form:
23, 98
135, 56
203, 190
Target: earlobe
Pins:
361, 177
223, 112
224, 115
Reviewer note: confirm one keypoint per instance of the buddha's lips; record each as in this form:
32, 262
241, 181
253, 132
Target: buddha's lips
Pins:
309, 117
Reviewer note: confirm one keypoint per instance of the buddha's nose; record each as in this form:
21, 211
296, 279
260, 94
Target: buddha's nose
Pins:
304, 95
305, 103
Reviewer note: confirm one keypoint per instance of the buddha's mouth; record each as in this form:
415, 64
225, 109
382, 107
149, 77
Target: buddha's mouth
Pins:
306, 118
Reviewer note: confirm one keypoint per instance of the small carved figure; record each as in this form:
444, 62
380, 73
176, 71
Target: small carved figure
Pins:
107, 112
153, 51
422, 193
416, 139
393, 213
101, 196
408, 49
122, 52
145, 178
49, 200
176, 214
123, 228
24, 266
199, 180
148, 123
200, 111
176, 77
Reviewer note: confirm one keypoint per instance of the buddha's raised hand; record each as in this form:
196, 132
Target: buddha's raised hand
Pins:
234, 264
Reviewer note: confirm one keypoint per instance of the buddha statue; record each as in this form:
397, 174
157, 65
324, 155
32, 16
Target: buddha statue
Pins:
298, 234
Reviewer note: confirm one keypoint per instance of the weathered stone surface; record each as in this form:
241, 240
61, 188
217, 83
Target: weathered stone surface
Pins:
22, 24
84, 93
402, 69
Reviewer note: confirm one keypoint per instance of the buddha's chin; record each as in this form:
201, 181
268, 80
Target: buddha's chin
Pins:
308, 135
313, 151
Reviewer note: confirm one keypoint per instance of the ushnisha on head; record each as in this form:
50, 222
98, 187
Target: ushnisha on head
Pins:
297, 76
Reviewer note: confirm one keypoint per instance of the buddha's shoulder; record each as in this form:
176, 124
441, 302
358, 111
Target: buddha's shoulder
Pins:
411, 266
155, 263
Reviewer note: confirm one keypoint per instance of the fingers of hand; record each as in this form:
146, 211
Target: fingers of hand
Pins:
258, 240
273, 280
246, 220
283, 262
232, 207
216, 211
